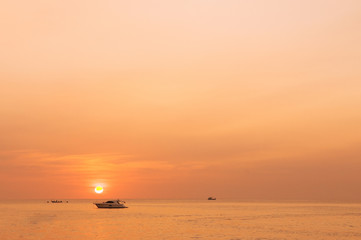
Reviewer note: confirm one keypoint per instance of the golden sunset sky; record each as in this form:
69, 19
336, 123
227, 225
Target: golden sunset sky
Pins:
254, 99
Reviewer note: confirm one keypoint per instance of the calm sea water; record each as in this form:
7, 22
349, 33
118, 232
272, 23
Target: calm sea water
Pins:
160, 219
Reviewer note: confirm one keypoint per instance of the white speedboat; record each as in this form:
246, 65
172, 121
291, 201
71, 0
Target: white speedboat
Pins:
111, 204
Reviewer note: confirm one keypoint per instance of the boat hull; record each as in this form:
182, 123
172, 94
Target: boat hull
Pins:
110, 205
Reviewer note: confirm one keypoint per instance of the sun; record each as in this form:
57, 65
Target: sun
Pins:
98, 189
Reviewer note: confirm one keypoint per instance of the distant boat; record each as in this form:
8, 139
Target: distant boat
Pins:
211, 198
111, 204
56, 201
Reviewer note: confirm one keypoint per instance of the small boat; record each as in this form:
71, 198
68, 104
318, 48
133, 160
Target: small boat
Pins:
56, 201
211, 198
111, 204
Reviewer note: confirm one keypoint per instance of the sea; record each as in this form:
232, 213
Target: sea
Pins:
179, 219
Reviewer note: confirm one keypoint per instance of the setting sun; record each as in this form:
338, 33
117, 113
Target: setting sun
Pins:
98, 189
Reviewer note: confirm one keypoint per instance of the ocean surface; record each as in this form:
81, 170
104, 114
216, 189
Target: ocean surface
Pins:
179, 219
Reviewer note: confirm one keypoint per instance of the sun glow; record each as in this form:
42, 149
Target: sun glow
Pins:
98, 189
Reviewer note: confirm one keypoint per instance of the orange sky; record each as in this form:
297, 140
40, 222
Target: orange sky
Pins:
181, 99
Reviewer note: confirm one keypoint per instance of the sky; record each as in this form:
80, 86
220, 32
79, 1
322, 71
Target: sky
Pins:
250, 100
